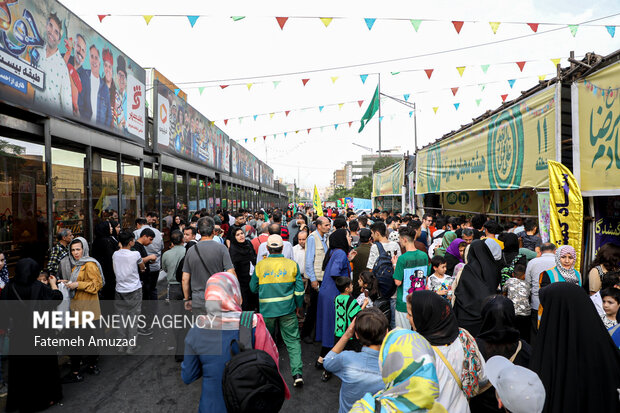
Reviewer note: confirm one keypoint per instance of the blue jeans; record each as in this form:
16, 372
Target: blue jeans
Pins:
392, 313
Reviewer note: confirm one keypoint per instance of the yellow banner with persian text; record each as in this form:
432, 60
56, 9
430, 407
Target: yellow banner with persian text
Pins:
316, 202
389, 181
509, 150
566, 209
596, 126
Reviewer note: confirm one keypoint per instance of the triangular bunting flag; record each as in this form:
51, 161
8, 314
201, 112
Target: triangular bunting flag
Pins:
281, 21
236, 19
416, 24
406, 96
304, 81
225, 121
435, 108
334, 78
494, 26
255, 116
176, 91
521, 65
363, 77
340, 105
504, 97
224, 86
511, 82
103, 16
533, 26
309, 131
322, 128
274, 136
391, 117
254, 139
482, 87
264, 137
394, 73
201, 89
573, 29
249, 85
478, 102
285, 133
286, 112
335, 126
326, 20
147, 18
296, 131
410, 113
456, 106
276, 83
213, 123
458, 25
429, 72
611, 30
556, 62
381, 118
246, 140
360, 102
454, 90
461, 69
350, 123
484, 68
192, 20
321, 108
369, 23
271, 115
542, 77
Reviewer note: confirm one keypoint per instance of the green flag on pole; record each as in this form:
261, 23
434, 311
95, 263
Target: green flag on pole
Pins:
373, 107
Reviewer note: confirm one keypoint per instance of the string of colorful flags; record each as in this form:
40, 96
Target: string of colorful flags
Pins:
603, 91
369, 22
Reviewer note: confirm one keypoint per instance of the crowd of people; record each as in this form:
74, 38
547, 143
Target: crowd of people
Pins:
430, 314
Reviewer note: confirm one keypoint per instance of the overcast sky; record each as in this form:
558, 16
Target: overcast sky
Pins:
218, 49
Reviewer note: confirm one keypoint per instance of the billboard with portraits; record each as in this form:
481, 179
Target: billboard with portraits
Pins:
243, 164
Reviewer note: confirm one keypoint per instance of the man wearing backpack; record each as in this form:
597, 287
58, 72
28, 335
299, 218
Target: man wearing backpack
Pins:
277, 280
170, 261
410, 274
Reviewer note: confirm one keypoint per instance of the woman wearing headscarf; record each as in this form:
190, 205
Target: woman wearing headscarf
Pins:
243, 256
33, 381
460, 366
104, 246
498, 337
478, 280
84, 284
447, 238
511, 255
564, 270
407, 365
209, 342
454, 254
574, 355
335, 264
607, 260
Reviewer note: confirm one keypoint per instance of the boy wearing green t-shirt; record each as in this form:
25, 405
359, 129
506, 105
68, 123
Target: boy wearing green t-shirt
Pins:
410, 274
346, 308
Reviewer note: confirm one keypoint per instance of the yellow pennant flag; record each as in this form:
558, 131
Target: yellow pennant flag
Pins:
565, 209
461, 69
249, 85
542, 77
271, 115
334, 78
494, 26
435, 109
556, 62
316, 202
326, 20
340, 105
147, 19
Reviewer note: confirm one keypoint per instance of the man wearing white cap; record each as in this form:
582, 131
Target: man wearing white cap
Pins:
280, 288
518, 390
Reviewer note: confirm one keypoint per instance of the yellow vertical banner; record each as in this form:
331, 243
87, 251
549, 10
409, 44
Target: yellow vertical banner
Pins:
566, 209
316, 201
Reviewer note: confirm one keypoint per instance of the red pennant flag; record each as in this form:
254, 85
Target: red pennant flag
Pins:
360, 102
282, 21
264, 137
429, 72
350, 123
521, 65
458, 25
224, 86
225, 121
454, 90
305, 81
504, 98
102, 16
286, 112
533, 26
309, 131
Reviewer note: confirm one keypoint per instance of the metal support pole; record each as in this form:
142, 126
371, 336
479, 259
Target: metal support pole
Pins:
379, 87
47, 137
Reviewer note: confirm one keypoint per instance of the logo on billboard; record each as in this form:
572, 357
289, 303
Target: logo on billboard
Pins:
137, 94
163, 113
505, 150
163, 122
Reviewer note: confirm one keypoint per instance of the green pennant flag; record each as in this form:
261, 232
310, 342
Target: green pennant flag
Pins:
373, 107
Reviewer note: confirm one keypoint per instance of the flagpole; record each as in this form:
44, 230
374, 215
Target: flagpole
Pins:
379, 87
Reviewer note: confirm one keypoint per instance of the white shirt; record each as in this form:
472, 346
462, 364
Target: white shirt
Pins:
598, 303
392, 248
94, 90
287, 251
57, 92
125, 264
300, 257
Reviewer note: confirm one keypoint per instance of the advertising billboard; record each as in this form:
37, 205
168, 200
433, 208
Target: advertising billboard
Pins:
266, 175
53, 62
243, 164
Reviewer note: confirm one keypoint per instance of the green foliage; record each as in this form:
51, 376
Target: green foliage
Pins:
383, 162
362, 188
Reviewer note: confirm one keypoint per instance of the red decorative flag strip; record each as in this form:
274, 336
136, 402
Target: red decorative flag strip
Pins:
305, 81
454, 90
282, 21
102, 16
286, 112
350, 123
533, 26
504, 98
264, 137
429, 72
521, 65
225, 121
224, 86
309, 131
458, 25
360, 102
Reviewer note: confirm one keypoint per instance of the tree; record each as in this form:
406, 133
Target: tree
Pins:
339, 192
362, 188
383, 162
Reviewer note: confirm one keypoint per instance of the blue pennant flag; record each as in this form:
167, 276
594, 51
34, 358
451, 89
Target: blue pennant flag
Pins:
456, 106
364, 78
370, 22
406, 96
321, 108
192, 20
611, 30
511, 82
176, 91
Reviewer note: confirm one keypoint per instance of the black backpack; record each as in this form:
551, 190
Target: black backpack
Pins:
384, 271
251, 382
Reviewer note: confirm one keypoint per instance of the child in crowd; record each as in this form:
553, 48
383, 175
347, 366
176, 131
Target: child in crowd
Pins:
44, 277
439, 282
518, 291
370, 288
611, 303
346, 308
